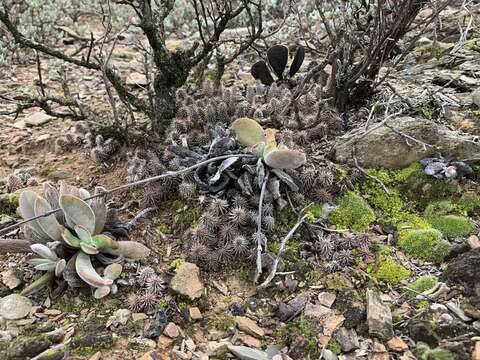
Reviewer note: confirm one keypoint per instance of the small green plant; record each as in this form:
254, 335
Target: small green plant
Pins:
353, 212
334, 346
470, 203
442, 216
391, 272
424, 244
422, 283
175, 264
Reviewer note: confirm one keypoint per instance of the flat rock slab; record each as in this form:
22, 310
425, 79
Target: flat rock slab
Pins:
246, 353
391, 146
379, 317
37, 119
14, 307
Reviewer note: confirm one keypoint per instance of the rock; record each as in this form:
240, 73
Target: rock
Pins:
155, 355
136, 79
180, 355
328, 355
249, 326
164, 342
122, 316
10, 279
52, 312
397, 345
97, 356
476, 97
14, 307
25, 347
37, 119
246, 353
157, 325
379, 317
20, 124
347, 338
463, 270
139, 316
378, 356
171, 330
316, 311
457, 311
326, 299
43, 137
421, 330
217, 348
59, 175
473, 241
248, 340
187, 281
476, 350
352, 309
195, 313
273, 350
385, 148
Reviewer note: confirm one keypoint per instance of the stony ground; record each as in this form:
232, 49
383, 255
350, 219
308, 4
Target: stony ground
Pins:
393, 302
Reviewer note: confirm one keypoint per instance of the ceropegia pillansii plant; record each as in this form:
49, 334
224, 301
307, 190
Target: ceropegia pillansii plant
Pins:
277, 60
71, 240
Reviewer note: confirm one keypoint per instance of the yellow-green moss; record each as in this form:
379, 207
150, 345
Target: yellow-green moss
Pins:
353, 212
470, 203
221, 322
8, 203
391, 272
185, 217
334, 346
300, 328
443, 218
424, 244
422, 283
439, 354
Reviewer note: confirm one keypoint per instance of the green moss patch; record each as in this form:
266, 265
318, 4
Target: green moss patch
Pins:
391, 272
470, 203
424, 244
443, 218
353, 212
8, 203
422, 283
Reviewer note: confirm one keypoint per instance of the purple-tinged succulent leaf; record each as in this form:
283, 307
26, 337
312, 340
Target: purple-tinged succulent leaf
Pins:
113, 271
44, 251
101, 292
60, 267
26, 204
102, 241
131, 250
99, 208
248, 132
285, 159
70, 239
89, 248
87, 273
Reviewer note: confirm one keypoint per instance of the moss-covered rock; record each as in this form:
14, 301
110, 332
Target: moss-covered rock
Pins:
422, 283
424, 244
439, 354
391, 272
353, 212
444, 217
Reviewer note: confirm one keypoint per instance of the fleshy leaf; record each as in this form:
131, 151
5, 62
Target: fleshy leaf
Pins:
70, 239
51, 195
130, 250
248, 132
270, 141
77, 212
70, 274
99, 208
113, 271
223, 166
277, 57
285, 159
49, 224
60, 266
261, 72
66, 189
87, 273
43, 264
102, 241
89, 248
101, 292
83, 234
297, 61
44, 251
26, 204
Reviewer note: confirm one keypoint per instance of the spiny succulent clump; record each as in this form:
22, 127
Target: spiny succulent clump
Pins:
21, 179
95, 146
310, 120
424, 244
339, 250
151, 287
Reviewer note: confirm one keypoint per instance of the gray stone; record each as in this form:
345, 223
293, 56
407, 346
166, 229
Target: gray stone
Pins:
246, 353
37, 119
379, 317
347, 338
328, 355
386, 148
326, 299
476, 97
14, 307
